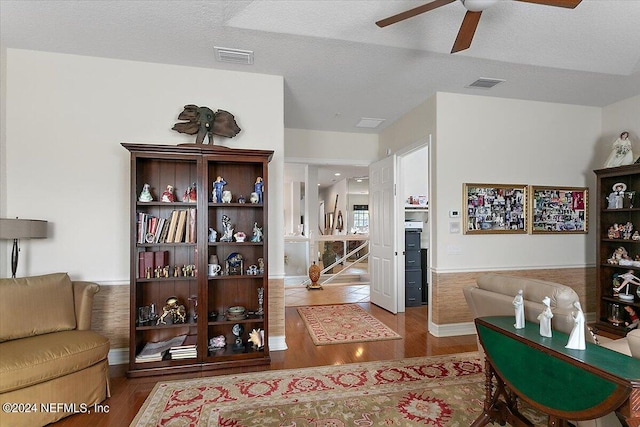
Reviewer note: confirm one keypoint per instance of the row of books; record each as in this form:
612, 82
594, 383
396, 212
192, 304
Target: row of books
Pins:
180, 227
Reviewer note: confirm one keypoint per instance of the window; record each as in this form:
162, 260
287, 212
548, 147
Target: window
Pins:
361, 218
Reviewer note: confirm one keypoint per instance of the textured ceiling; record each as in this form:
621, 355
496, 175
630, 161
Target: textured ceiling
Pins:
338, 66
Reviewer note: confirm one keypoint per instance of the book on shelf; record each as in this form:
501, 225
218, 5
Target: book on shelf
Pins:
187, 350
172, 226
182, 221
155, 351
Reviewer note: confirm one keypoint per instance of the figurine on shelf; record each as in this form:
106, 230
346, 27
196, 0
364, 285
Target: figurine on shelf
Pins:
261, 265
226, 196
145, 195
254, 198
633, 316
616, 197
576, 337
218, 187
167, 195
257, 233
213, 234
518, 304
621, 153
627, 229
241, 199
240, 236
190, 194
172, 307
627, 278
618, 255
545, 318
228, 230
258, 187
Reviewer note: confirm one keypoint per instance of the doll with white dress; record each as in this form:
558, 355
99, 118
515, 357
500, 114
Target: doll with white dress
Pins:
621, 153
545, 318
576, 338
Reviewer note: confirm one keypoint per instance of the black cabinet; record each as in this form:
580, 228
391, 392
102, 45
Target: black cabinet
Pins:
413, 269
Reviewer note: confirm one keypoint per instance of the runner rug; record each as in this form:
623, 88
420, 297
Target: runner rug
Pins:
343, 323
425, 391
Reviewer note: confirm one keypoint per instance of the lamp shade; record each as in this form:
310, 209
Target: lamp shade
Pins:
17, 228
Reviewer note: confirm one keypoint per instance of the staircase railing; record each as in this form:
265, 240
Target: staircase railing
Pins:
339, 261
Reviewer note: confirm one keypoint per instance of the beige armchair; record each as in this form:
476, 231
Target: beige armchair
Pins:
48, 354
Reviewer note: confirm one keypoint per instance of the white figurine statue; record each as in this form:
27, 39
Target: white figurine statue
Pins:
518, 304
621, 153
576, 338
545, 318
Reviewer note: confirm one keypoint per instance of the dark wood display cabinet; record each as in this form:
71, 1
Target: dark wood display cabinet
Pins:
618, 246
185, 318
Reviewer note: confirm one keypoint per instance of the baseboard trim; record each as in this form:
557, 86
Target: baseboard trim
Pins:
452, 329
277, 343
118, 356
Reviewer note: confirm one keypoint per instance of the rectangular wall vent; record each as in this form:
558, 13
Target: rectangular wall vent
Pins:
370, 123
485, 83
234, 56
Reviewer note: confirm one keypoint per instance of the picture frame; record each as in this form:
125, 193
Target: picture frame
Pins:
495, 208
557, 210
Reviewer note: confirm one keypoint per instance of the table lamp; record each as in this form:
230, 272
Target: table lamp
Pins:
16, 229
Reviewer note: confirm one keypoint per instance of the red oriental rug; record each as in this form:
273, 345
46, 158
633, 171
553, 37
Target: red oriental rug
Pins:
344, 323
443, 391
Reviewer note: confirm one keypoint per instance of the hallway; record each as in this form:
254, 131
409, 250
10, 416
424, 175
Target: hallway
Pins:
329, 294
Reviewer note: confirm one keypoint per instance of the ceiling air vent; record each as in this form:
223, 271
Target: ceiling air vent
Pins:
234, 56
485, 83
370, 123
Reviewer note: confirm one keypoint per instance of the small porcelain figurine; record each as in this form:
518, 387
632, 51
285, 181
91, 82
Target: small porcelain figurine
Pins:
576, 338
226, 196
621, 153
627, 279
258, 187
518, 304
545, 318
257, 233
256, 337
213, 234
218, 187
167, 195
190, 194
254, 198
240, 236
228, 230
145, 195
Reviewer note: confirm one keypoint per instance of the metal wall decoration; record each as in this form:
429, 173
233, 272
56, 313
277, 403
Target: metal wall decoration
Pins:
495, 208
559, 209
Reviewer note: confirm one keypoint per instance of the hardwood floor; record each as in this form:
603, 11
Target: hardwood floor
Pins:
128, 395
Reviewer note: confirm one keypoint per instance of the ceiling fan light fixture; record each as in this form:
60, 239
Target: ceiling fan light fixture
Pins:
477, 5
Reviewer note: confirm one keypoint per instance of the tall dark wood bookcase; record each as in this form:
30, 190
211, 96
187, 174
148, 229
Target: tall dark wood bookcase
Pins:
607, 215
182, 166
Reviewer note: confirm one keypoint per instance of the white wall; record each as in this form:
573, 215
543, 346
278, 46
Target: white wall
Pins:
65, 119
494, 140
337, 148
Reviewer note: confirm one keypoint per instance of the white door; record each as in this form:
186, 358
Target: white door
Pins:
382, 243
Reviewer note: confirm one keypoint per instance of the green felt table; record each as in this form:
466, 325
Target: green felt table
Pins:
566, 383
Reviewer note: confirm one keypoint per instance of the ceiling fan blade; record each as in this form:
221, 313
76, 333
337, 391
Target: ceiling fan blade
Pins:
412, 12
570, 4
467, 30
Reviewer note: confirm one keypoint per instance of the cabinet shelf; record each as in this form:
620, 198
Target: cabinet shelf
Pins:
605, 301
182, 167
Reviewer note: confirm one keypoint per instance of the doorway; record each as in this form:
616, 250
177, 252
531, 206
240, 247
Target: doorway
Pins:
321, 223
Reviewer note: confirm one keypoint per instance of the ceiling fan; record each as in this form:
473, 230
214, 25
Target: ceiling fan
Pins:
471, 19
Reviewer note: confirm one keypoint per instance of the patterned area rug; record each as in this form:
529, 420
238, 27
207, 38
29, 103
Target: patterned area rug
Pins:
344, 323
425, 391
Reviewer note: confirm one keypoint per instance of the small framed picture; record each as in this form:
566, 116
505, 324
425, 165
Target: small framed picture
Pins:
495, 208
559, 209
